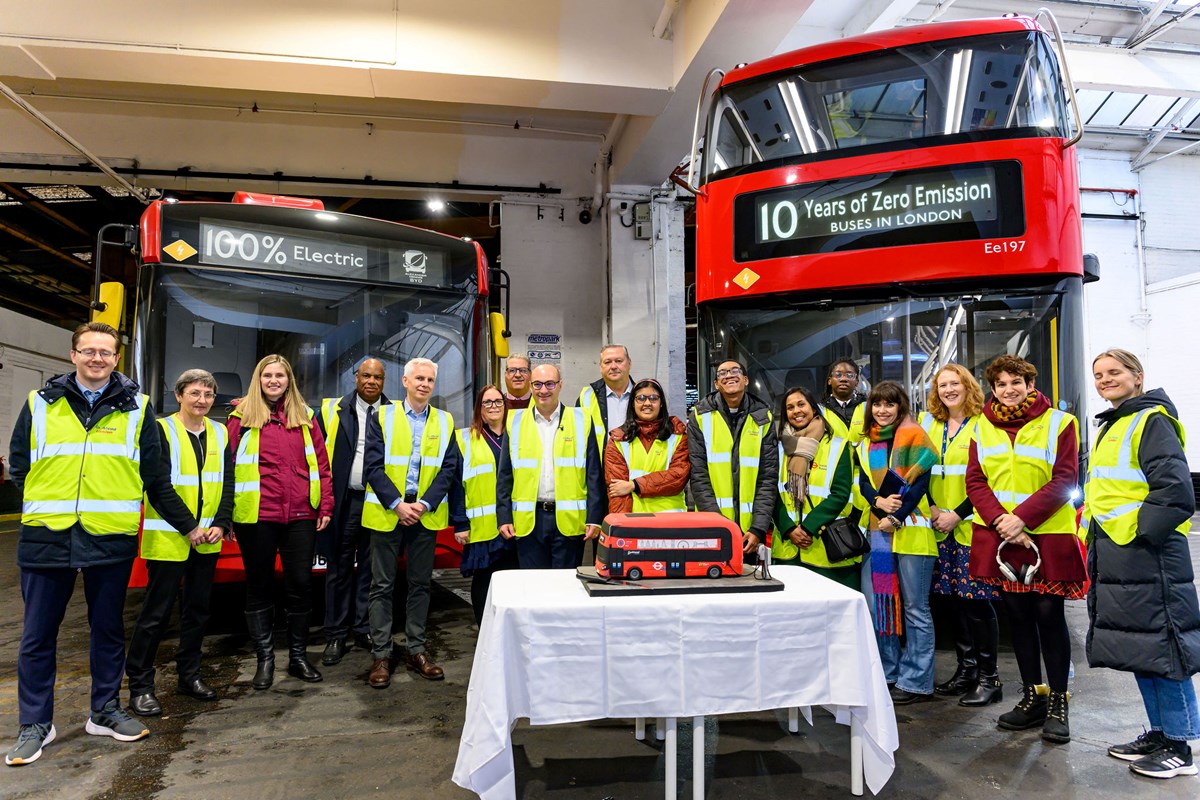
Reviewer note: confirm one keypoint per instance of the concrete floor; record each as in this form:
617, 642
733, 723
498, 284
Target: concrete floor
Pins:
341, 738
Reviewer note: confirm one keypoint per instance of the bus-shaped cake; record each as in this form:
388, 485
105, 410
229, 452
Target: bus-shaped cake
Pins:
675, 545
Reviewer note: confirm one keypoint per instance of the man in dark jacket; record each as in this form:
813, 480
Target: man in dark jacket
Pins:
843, 398
343, 422
94, 427
724, 429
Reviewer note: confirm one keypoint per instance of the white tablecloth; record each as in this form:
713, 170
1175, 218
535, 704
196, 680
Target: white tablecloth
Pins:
551, 653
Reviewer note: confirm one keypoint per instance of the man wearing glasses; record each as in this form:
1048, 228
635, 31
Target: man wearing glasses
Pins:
731, 443
516, 380
85, 448
843, 405
550, 485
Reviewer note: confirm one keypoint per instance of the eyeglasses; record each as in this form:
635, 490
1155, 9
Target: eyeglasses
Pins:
732, 372
647, 398
517, 371
545, 385
843, 374
194, 395
491, 403
90, 353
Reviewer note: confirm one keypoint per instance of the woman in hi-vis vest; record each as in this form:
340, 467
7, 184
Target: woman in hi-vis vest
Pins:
1022, 472
283, 495
1142, 606
646, 464
955, 403
473, 498
897, 457
815, 479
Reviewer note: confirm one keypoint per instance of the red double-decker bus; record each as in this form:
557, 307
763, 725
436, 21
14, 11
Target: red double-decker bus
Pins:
902, 199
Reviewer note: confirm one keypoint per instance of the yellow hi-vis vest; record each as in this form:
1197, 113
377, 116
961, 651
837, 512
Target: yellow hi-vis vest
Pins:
1116, 486
591, 406
329, 415
718, 451
397, 455
160, 540
852, 434
479, 485
1015, 470
76, 475
948, 478
246, 477
820, 483
642, 462
915, 536
570, 469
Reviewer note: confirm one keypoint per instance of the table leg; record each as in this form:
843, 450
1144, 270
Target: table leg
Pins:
639, 729
793, 720
697, 758
672, 754
856, 757
660, 728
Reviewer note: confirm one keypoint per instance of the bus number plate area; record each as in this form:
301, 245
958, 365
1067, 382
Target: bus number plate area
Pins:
891, 209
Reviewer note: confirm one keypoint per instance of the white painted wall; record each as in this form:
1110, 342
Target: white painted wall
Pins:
1165, 336
31, 352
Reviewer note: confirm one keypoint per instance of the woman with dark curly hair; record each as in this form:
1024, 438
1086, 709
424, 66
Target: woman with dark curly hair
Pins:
646, 462
1024, 465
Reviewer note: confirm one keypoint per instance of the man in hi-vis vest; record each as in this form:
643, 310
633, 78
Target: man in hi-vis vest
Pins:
550, 491
411, 458
84, 449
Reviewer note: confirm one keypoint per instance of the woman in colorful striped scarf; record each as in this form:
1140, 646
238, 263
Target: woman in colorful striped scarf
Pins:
897, 456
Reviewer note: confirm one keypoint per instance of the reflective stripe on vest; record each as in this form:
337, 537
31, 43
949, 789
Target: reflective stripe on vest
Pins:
1116, 486
397, 454
329, 415
88, 476
657, 459
247, 481
160, 540
591, 406
570, 469
1016, 470
852, 434
820, 483
718, 450
915, 536
479, 485
948, 478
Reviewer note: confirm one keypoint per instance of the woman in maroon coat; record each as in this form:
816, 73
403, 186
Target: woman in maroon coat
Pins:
271, 432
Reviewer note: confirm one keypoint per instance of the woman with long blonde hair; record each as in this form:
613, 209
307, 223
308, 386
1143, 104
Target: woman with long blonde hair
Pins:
283, 495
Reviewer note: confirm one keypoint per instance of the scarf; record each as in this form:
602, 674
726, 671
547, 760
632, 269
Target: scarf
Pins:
913, 454
799, 449
1005, 413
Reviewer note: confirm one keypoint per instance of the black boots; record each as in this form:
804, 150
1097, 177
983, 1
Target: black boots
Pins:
298, 664
967, 674
1030, 711
259, 624
1057, 728
988, 689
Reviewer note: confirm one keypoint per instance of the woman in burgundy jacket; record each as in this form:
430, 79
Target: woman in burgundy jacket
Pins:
276, 444
651, 434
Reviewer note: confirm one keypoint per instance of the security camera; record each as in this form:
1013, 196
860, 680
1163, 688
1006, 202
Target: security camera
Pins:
585, 216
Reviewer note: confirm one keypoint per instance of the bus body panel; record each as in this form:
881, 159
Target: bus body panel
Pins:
675, 545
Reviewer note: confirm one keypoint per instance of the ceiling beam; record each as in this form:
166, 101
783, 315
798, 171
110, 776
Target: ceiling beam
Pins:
1113, 70
38, 243
1138, 42
878, 15
28, 200
1162, 132
1151, 17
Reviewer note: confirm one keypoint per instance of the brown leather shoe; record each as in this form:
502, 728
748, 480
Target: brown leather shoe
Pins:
421, 665
381, 673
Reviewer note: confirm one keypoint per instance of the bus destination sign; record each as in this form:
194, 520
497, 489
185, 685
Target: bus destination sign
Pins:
912, 207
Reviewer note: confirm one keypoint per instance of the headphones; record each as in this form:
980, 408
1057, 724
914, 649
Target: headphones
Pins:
1023, 574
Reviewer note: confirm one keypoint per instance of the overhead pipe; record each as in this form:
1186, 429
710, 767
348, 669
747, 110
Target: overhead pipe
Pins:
21, 103
603, 158
664, 17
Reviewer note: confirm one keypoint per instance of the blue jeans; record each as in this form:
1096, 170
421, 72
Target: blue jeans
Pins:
1171, 706
909, 667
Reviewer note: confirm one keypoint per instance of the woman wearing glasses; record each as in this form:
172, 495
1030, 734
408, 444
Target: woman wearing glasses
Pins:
1023, 469
473, 498
283, 496
646, 462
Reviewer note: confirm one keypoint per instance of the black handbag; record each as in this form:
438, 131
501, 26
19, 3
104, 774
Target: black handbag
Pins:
844, 540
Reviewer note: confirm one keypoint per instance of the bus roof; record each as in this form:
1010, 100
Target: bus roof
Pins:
879, 40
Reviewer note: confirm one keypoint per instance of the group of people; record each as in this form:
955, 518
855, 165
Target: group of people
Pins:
971, 500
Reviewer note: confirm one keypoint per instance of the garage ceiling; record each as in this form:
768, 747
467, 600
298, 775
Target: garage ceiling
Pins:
382, 103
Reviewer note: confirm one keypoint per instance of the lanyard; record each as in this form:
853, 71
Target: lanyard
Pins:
947, 440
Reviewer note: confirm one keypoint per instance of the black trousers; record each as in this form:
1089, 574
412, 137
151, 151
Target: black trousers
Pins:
348, 586
546, 548
295, 542
193, 579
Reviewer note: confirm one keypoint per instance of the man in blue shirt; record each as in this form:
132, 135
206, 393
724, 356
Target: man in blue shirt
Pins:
418, 515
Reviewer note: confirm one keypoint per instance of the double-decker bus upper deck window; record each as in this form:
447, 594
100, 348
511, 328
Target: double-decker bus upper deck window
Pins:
997, 85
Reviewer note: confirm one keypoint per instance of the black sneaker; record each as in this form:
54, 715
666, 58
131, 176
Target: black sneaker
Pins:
1166, 762
1142, 746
